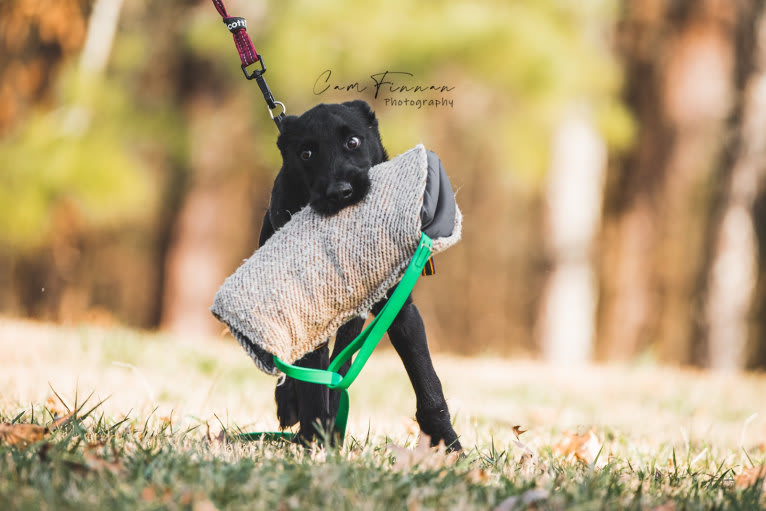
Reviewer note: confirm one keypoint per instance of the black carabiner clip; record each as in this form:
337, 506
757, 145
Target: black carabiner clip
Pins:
272, 103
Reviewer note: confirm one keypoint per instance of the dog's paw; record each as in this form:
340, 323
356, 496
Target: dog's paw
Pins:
286, 397
437, 425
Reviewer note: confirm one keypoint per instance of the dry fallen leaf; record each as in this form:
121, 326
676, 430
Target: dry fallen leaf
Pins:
55, 406
21, 434
477, 475
422, 455
148, 494
517, 431
585, 447
24, 434
750, 476
53, 426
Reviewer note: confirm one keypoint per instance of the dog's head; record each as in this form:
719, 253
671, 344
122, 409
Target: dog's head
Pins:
331, 148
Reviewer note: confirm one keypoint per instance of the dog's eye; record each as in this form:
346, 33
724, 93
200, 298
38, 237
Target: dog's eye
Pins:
305, 155
353, 142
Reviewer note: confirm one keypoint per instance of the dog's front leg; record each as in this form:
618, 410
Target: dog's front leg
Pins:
302, 402
408, 335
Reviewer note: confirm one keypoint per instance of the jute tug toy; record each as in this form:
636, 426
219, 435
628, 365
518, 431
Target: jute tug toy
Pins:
316, 273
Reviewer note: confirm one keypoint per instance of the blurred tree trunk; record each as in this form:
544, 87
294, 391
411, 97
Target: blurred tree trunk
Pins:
214, 227
757, 353
214, 217
733, 309
679, 60
574, 192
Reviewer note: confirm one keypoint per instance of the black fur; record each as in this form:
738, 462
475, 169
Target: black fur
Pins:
323, 166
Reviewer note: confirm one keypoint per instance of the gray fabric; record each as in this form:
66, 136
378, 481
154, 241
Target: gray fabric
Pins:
316, 273
438, 213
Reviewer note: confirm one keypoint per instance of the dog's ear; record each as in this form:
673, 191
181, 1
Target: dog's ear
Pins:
363, 108
285, 129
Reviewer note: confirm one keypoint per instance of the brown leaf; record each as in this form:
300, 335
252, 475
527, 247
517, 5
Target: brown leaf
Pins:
478, 475
55, 406
53, 426
25, 434
148, 494
750, 476
517, 431
21, 434
585, 447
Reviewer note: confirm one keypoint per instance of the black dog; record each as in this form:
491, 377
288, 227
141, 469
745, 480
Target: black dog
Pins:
326, 156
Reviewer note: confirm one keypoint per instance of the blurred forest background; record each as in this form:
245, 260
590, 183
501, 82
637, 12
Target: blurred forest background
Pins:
609, 157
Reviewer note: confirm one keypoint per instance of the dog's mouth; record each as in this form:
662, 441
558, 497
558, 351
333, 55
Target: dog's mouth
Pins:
340, 194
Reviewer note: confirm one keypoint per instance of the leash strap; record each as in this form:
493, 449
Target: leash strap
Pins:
238, 27
365, 343
248, 56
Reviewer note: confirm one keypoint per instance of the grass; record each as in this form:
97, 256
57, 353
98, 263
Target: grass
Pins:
665, 438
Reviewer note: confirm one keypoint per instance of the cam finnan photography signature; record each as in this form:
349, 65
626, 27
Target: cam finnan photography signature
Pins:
385, 81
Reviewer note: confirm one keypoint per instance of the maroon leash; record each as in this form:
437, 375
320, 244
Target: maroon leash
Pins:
247, 54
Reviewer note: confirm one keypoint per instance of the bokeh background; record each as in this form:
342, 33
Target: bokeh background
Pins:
609, 157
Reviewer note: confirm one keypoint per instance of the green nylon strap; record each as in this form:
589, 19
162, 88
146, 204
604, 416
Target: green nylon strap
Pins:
308, 374
369, 339
341, 418
365, 342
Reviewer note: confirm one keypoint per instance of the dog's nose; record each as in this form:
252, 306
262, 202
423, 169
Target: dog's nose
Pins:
340, 190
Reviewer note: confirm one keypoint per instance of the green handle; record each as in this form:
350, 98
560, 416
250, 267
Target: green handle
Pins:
308, 374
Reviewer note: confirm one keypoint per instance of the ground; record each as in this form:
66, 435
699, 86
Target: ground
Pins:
631, 436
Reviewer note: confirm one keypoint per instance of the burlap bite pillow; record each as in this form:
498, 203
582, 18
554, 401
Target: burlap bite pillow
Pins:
316, 273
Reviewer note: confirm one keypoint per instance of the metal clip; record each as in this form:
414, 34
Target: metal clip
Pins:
271, 110
257, 75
